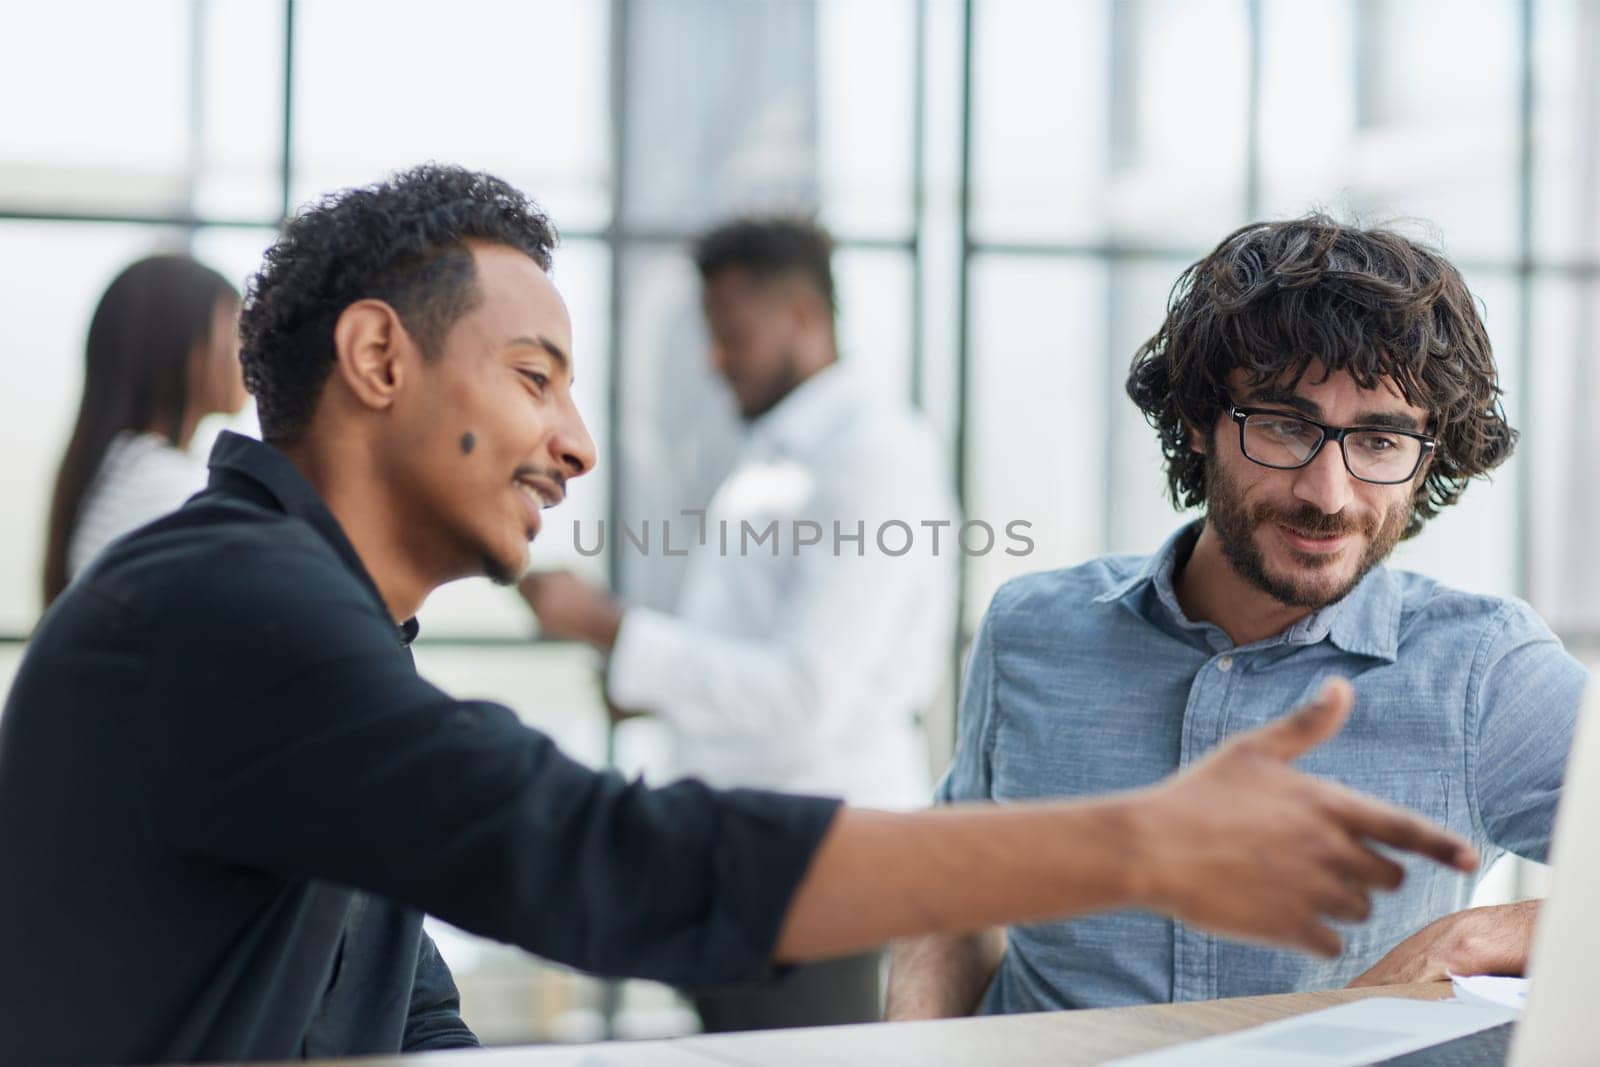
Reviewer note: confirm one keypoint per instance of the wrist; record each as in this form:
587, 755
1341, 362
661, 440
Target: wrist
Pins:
1133, 831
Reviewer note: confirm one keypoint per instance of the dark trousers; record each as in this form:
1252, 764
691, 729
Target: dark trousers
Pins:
828, 993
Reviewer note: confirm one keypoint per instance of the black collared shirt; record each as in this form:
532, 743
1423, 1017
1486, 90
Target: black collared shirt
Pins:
226, 798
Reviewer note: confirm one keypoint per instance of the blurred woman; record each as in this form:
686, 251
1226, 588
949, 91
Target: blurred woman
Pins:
163, 352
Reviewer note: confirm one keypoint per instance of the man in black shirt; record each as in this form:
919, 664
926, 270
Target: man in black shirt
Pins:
226, 797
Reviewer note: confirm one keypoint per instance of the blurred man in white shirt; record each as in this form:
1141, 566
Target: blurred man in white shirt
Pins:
819, 602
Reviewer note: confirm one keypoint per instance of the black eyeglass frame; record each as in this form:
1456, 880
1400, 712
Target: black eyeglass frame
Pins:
1332, 433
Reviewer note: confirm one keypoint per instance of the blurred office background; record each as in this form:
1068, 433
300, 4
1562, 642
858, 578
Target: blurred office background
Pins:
1014, 185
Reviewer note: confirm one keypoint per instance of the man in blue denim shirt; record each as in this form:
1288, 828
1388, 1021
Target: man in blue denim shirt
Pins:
1322, 391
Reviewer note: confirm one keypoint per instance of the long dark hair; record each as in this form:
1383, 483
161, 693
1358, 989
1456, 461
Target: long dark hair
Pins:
136, 378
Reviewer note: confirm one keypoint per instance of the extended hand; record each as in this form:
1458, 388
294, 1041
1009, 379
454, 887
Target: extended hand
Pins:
1248, 847
570, 609
1493, 940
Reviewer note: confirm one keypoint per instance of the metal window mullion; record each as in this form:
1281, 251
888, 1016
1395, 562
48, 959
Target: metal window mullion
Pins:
616, 237
1256, 40
1525, 160
286, 147
963, 327
196, 117
919, 148
1525, 271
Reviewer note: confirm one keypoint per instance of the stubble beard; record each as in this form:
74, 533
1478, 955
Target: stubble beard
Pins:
1235, 526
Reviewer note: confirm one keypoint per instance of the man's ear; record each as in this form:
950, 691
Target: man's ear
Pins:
368, 343
1197, 440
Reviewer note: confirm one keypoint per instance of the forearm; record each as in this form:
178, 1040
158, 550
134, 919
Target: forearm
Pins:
942, 976
1489, 940
1238, 844
1499, 939
958, 870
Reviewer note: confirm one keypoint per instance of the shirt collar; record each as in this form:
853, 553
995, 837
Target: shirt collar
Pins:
1156, 570
278, 482
800, 418
1366, 622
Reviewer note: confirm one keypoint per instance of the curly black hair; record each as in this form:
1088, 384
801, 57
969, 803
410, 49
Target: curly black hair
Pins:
401, 241
769, 247
1275, 296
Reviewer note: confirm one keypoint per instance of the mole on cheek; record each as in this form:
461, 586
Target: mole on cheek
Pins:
468, 442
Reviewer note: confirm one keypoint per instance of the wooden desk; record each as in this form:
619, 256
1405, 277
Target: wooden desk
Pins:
1058, 1039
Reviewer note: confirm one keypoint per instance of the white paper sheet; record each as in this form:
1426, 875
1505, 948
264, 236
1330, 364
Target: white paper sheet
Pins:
1491, 989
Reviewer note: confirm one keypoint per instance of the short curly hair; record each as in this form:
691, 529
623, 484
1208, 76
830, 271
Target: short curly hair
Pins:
1275, 296
401, 241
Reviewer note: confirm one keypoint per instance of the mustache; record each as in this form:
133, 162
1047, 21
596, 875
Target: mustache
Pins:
552, 474
1312, 522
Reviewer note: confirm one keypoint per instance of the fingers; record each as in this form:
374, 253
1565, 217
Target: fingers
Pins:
1369, 818
1365, 867
1303, 729
1320, 939
1330, 897
1346, 903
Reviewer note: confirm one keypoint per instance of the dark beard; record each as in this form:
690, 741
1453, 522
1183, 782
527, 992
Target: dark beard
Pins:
1236, 527
496, 573
783, 382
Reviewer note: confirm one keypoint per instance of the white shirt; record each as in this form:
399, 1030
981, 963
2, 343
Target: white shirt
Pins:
141, 478
807, 670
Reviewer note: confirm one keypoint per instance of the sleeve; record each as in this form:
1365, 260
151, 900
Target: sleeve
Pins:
291, 734
848, 607
434, 1020
1522, 706
969, 776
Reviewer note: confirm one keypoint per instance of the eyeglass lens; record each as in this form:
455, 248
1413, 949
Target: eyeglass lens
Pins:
1285, 441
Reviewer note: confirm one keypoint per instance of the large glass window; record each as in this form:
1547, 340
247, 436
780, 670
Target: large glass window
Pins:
513, 87
109, 129
1037, 418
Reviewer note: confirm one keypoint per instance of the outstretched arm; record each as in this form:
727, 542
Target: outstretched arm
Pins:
1240, 844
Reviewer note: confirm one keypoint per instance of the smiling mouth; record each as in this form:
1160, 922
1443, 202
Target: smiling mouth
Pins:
1307, 542
543, 493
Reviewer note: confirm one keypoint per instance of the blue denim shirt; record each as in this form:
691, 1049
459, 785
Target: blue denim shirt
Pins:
1091, 679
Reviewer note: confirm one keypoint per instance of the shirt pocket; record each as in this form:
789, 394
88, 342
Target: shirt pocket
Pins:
1428, 892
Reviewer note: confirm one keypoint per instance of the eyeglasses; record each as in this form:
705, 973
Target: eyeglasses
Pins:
1287, 442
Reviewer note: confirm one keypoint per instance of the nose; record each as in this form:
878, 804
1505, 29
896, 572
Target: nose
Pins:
571, 446
1324, 483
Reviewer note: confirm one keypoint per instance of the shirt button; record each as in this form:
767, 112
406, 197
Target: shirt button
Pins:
1225, 664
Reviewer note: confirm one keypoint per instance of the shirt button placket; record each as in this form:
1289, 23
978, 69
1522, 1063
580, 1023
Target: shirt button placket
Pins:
1193, 955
